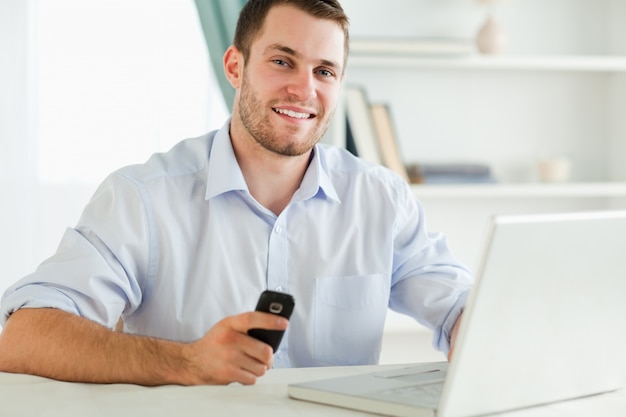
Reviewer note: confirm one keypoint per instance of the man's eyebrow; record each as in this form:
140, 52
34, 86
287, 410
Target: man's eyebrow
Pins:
289, 51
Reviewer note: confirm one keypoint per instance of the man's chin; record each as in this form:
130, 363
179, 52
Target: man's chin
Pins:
298, 145
292, 150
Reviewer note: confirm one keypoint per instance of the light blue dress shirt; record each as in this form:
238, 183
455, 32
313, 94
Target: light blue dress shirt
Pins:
178, 243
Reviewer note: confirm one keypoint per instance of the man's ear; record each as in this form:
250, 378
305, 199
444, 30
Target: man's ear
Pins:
233, 66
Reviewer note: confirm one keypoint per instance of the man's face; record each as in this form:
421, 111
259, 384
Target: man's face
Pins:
291, 81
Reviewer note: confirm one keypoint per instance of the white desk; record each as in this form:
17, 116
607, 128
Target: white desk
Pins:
28, 396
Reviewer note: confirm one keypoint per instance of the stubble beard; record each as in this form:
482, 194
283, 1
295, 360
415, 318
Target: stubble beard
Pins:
258, 125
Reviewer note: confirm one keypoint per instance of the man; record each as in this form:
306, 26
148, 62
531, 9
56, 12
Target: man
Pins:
181, 246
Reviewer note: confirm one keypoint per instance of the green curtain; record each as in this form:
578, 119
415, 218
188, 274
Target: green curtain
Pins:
218, 19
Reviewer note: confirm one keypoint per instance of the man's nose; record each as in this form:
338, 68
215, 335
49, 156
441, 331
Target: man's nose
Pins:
303, 86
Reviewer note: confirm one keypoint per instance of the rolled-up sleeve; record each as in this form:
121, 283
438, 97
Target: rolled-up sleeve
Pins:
429, 283
99, 269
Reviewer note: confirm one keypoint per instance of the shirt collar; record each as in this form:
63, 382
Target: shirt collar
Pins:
317, 180
224, 173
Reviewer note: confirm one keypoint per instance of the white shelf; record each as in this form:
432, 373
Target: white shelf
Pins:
583, 63
555, 91
528, 190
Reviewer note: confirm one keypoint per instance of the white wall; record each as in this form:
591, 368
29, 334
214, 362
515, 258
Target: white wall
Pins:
78, 100
17, 140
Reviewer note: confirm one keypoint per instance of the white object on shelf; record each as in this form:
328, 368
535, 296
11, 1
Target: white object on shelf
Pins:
491, 38
554, 169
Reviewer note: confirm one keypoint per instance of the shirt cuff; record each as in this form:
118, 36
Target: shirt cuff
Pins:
441, 338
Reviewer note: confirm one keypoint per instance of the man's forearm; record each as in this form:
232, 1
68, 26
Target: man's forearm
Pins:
60, 345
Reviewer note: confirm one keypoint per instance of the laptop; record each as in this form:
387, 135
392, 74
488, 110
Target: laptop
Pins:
543, 323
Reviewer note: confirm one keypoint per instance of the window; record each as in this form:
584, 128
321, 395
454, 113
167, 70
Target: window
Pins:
117, 81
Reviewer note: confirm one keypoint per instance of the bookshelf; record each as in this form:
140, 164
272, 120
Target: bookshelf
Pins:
558, 90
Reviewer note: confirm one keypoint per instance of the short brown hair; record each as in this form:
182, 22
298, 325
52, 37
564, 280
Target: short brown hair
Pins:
253, 14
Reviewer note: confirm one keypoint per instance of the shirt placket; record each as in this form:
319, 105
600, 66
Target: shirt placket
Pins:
277, 277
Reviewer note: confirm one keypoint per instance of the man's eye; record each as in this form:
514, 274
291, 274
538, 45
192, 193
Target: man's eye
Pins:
281, 62
325, 73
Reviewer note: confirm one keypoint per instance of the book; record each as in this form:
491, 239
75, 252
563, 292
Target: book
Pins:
336, 134
350, 146
450, 173
360, 125
412, 46
387, 140
454, 179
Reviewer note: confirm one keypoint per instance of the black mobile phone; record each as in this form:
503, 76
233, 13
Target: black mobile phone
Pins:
276, 303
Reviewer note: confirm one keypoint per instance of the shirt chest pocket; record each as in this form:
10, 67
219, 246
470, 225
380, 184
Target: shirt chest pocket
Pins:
349, 318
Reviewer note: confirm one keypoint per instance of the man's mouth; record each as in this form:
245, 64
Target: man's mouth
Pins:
294, 114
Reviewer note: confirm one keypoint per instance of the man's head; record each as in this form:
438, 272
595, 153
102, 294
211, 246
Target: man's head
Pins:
289, 77
253, 14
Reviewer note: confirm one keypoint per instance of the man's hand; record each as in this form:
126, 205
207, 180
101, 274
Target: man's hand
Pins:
227, 354
455, 330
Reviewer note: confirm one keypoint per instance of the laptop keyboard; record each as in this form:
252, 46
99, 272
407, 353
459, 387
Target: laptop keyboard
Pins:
425, 395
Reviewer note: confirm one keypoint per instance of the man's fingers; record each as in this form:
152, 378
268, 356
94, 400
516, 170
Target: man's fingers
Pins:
256, 353
228, 354
233, 331
256, 320
242, 368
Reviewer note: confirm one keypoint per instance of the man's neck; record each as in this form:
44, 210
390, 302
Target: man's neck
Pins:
274, 184
272, 179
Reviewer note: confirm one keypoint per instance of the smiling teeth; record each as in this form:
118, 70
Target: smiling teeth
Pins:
293, 114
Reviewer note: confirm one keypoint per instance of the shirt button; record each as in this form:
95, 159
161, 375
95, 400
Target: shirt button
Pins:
279, 289
279, 354
279, 229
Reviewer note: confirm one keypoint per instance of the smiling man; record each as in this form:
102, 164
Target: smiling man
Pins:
180, 247
287, 82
